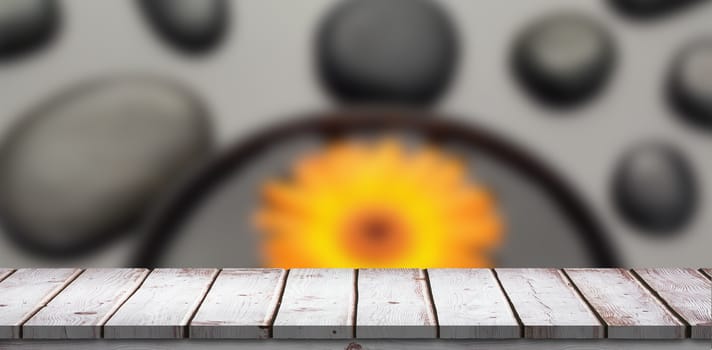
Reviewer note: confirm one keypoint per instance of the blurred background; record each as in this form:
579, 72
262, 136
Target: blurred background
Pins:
159, 132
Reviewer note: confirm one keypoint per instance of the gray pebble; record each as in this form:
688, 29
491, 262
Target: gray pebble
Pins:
88, 163
654, 188
192, 26
563, 59
650, 9
691, 84
26, 25
401, 51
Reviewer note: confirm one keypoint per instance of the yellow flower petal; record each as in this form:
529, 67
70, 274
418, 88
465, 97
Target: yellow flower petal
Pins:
360, 204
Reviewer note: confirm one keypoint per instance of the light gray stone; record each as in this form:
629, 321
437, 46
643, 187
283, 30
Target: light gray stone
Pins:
564, 59
654, 188
93, 159
401, 51
691, 83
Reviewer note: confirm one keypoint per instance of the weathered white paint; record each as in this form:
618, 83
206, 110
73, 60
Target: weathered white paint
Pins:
394, 303
358, 344
26, 291
548, 305
241, 304
82, 308
317, 304
471, 305
688, 292
629, 309
162, 306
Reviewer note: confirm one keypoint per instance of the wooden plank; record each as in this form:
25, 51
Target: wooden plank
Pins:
548, 306
317, 304
707, 272
4, 273
162, 306
26, 291
629, 309
687, 292
471, 304
358, 344
394, 303
82, 308
240, 304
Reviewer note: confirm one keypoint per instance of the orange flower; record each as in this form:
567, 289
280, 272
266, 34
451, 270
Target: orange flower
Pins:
378, 205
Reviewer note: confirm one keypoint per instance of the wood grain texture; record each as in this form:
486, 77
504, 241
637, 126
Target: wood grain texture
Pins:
82, 308
394, 303
317, 304
629, 309
26, 291
4, 273
548, 306
240, 305
357, 344
471, 305
162, 306
687, 292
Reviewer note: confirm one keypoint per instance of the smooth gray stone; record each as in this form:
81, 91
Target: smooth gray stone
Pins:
26, 25
192, 26
655, 188
84, 166
401, 51
564, 59
691, 83
650, 9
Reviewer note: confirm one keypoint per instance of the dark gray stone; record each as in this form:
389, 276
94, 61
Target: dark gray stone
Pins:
690, 85
87, 164
649, 9
188, 25
26, 25
400, 51
563, 59
655, 189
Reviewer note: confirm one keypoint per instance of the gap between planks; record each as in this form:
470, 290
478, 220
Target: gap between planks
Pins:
4, 273
511, 305
663, 302
163, 306
686, 292
54, 280
431, 301
588, 303
630, 308
82, 308
241, 304
470, 304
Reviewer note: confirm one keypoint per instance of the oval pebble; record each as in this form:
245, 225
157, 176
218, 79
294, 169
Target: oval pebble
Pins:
188, 25
655, 189
86, 165
690, 84
401, 51
26, 25
649, 9
563, 59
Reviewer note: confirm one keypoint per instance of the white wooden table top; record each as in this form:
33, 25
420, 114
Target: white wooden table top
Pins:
668, 303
